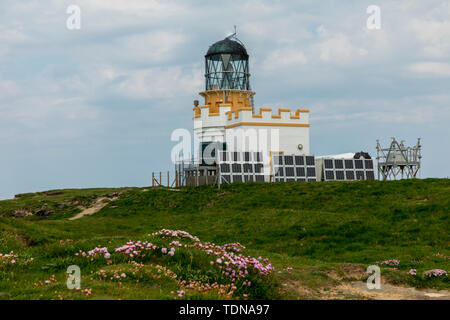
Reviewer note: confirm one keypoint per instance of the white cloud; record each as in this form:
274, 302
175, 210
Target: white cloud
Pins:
434, 35
160, 83
433, 68
8, 89
284, 58
339, 48
156, 46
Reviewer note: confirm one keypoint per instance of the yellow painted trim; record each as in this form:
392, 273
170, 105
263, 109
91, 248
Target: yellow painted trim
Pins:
279, 113
236, 112
297, 113
197, 112
260, 112
267, 124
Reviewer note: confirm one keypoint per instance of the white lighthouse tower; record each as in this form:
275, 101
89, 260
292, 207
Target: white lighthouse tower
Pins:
229, 121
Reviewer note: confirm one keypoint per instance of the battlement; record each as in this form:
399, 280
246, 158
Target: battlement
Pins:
265, 115
227, 117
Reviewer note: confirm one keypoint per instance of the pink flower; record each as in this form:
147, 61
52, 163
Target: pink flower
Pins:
123, 275
13, 261
164, 250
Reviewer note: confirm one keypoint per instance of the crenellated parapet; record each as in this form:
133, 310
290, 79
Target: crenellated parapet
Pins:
265, 117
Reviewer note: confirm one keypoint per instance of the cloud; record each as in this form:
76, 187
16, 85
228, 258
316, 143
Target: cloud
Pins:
337, 47
160, 83
8, 89
434, 36
432, 68
284, 58
156, 47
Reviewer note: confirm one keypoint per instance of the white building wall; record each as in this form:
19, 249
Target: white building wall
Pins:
281, 132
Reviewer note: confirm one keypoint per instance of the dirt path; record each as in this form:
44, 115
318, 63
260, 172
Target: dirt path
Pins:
98, 205
348, 284
386, 292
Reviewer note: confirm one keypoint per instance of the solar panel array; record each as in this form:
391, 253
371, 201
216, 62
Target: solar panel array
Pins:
293, 168
240, 167
348, 169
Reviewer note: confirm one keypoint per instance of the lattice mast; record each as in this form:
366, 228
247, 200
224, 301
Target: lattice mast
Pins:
398, 161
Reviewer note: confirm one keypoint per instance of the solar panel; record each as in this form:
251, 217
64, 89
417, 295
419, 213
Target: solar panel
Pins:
299, 160
348, 164
338, 164
329, 175
290, 172
240, 167
248, 167
289, 160
259, 168
368, 164
359, 164
293, 168
350, 175
259, 178
348, 169
359, 175
279, 172
236, 168
300, 171
311, 172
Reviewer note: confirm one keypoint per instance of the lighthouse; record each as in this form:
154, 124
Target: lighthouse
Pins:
228, 120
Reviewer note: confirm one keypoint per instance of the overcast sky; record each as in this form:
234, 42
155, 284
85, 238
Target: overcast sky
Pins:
96, 106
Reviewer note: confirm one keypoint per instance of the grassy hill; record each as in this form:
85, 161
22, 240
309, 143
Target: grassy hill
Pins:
316, 236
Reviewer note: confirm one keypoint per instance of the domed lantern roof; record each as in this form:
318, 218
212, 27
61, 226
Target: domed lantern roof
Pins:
227, 46
226, 65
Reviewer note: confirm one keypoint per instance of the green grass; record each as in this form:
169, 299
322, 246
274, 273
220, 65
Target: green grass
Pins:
316, 228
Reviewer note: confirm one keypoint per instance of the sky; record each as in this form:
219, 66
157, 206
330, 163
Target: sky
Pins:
96, 106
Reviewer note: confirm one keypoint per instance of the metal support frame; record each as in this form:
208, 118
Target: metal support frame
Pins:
399, 161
